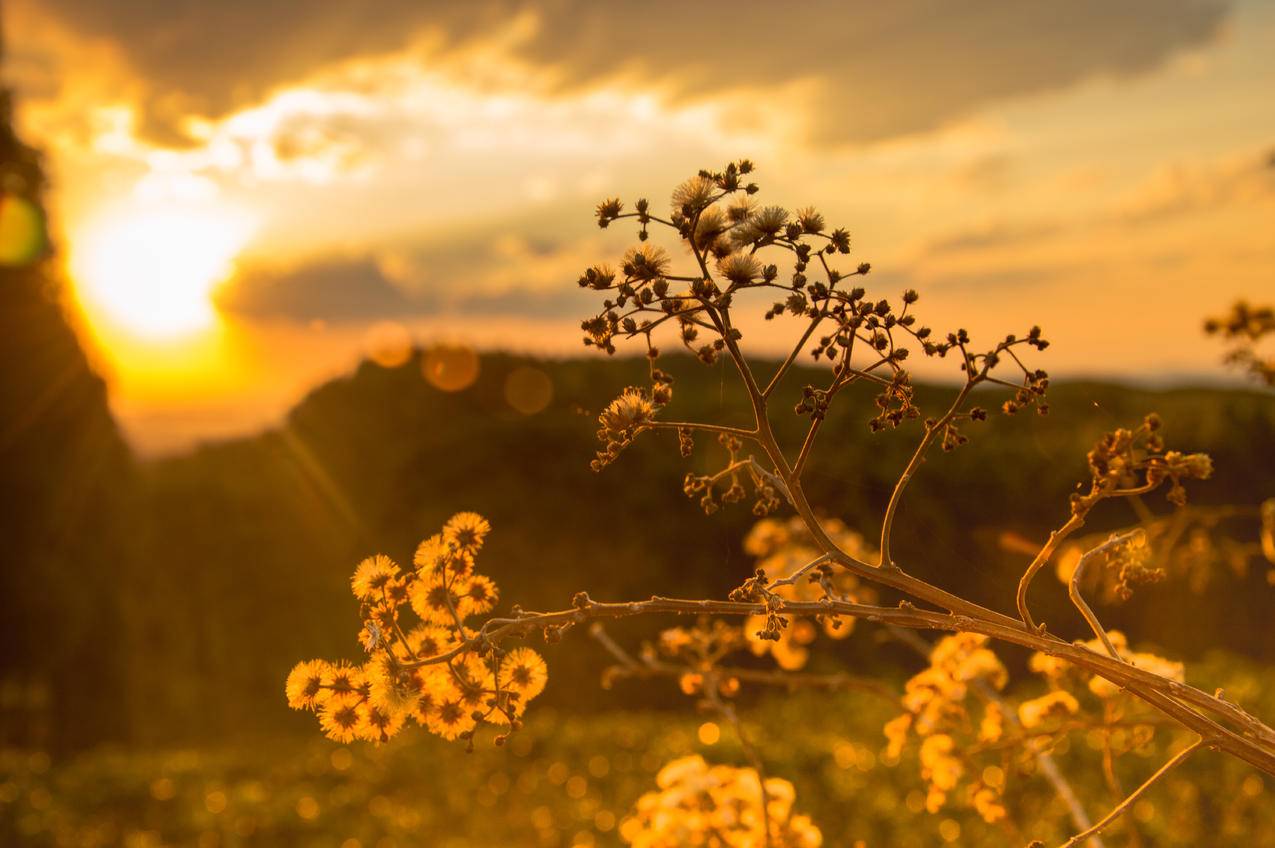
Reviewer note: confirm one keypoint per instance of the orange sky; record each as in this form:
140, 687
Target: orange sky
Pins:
243, 192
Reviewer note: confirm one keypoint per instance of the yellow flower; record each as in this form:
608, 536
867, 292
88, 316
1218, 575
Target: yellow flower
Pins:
472, 679
896, 731
372, 576
1037, 711
450, 718
393, 688
341, 679
466, 531
339, 716
498, 708
524, 671
430, 640
305, 684
992, 727
431, 556
987, 804
939, 768
478, 595
377, 724
435, 602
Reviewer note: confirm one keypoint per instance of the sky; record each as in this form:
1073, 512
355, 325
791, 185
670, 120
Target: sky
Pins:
249, 197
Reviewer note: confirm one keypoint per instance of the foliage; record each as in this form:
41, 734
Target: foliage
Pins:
562, 781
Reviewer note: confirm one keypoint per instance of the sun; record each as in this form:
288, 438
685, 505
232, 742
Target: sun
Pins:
152, 273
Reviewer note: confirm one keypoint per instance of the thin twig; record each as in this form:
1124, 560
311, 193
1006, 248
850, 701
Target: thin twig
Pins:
1124, 805
1073, 588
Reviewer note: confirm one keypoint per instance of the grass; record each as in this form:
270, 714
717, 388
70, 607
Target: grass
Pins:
569, 780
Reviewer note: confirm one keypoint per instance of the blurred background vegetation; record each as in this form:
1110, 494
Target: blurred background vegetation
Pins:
149, 610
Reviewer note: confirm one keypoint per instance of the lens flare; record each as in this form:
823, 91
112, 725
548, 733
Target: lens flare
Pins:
152, 273
22, 235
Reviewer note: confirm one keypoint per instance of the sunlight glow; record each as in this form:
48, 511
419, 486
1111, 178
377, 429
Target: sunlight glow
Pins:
153, 272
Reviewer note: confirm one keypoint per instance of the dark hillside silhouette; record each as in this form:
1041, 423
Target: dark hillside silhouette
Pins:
67, 488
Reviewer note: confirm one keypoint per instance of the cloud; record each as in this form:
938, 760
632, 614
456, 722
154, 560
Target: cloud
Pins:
1176, 190
336, 290
847, 73
469, 274
1183, 189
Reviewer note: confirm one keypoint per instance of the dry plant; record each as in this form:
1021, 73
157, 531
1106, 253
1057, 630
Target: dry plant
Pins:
425, 662
1245, 326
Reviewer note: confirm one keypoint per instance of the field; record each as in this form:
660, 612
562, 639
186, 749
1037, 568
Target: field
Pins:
569, 780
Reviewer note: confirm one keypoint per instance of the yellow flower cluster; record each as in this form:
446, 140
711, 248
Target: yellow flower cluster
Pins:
1038, 711
934, 703
425, 669
700, 649
1061, 674
717, 807
783, 547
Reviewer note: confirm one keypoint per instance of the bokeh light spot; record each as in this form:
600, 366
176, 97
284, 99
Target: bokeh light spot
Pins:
388, 344
528, 390
450, 368
22, 234
307, 808
709, 733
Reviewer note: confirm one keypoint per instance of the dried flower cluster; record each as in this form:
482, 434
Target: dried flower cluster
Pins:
1245, 326
717, 807
430, 669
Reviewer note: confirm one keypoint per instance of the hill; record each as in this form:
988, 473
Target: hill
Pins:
254, 539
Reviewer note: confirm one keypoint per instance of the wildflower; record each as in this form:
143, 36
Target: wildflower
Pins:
437, 603
693, 195
466, 531
769, 221
629, 411
372, 576
645, 262
740, 268
392, 687
608, 210
710, 228
478, 595
341, 679
1037, 711
431, 556
992, 727
896, 733
810, 220
987, 803
698, 804
741, 209
376, 723
940, 768
449, 719
305, 683
524, 671
428, 640
339, 716
1104, 688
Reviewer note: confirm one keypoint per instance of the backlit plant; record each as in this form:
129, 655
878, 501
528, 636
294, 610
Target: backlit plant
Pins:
430, 658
